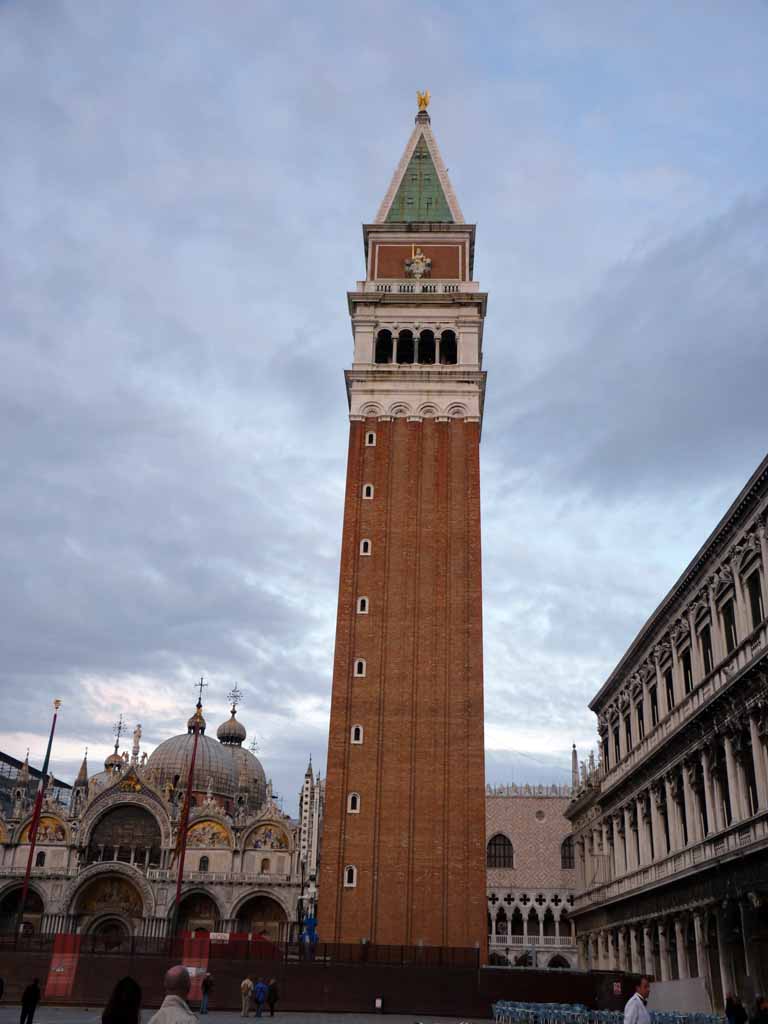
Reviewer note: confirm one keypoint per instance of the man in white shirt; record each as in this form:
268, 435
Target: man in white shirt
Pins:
174, 1008
636, 1010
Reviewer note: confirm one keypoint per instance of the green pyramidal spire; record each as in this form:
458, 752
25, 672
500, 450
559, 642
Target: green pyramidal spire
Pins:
420, 196
420, 190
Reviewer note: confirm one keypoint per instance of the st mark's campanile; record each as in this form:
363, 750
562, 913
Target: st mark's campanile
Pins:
403, 859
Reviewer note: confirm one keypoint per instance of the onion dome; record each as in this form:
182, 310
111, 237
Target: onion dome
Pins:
231, 732
192, 722
113, 761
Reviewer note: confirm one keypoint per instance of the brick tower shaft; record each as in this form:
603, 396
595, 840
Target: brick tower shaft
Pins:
403, 858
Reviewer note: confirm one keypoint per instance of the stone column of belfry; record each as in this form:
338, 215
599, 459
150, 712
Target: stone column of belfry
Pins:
407, 867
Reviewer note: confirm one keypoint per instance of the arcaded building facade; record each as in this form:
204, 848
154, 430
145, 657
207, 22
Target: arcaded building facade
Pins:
671, 826
404, 834
105, 863
530, 876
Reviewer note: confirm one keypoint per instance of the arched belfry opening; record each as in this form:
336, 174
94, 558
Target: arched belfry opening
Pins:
427, 348
383, 347
448, 348
405, 347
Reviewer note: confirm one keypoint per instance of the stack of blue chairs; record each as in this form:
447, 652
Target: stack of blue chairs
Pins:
507, 1012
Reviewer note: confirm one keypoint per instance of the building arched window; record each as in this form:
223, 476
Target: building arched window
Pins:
500, 853
357, 734
567, 859
362, 606
40, 859
353, 803
365, 547
368, 491
350, 876
265, 865
370, 439
360, 667
204, 864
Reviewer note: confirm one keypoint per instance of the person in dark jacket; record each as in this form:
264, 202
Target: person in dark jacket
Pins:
205, 988
2, 988
761, 1011
124, 1005
30, 997
272, 996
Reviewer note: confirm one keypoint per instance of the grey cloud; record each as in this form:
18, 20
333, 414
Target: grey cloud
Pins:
180, 217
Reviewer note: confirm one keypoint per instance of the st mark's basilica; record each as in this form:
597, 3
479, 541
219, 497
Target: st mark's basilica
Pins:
106, 854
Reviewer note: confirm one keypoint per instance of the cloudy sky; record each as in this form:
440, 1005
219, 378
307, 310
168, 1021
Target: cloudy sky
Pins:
181, 192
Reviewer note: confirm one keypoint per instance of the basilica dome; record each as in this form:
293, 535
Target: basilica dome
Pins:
224, 766
170, 761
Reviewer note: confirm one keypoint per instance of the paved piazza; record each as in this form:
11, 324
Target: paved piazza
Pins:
9, 1014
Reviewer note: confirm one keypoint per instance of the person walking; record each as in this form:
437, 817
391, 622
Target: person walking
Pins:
636, 1010
259, 996
246, 987
174, 1009
2, 987
272, 996
205, 988
124, 1004
30, 997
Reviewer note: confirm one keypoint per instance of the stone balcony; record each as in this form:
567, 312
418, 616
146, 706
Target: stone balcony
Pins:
428, 286
221, 877
738, 839
523, 941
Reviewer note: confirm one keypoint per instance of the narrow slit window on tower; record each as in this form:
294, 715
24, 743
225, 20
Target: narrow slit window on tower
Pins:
368, 491
448, 351
350, 876
357, 734
359, 667
365, 547
353, 803
362, 606
370, 439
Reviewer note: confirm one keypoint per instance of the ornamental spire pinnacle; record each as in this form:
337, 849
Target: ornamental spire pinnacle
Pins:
420, 190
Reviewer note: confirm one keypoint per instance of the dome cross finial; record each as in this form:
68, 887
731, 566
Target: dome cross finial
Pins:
235, 696
199, 687
118, 730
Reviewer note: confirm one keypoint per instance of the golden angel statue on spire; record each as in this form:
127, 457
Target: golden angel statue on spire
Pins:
423, 99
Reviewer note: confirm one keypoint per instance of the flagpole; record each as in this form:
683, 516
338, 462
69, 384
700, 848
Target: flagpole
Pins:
181, 840
32, 831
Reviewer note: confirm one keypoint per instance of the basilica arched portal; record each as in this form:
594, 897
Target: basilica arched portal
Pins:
263, 917
109, 906
198, 912
9, 911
